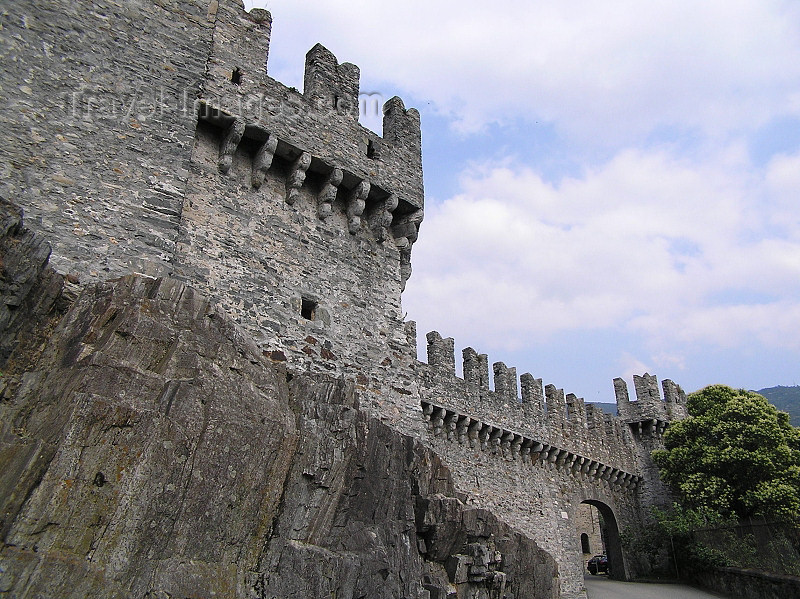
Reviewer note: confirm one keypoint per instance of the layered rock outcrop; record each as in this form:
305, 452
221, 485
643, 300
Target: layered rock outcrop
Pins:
148, 449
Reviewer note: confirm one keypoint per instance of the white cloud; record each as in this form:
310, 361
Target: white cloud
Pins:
772, 324
600, 71
675, 252
630, 365
783, 187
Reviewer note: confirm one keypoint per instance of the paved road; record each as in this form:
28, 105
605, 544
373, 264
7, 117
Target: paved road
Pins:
600, 587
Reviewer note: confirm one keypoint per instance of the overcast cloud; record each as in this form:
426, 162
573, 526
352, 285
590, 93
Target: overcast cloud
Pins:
621, 171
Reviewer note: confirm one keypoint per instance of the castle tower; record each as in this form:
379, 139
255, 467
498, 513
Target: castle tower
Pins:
648, 417
277, 203
298, 218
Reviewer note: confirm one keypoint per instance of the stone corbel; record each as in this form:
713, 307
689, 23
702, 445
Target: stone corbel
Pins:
525, 450
328, 194
296, 177
483, 435
516, 447
229, 144
614, 476
495, 439
544, 453
355, 206
461, 429
384, 217
563, 457
552, 457
263, 160
437, 420
406, 230
472, 433
450, 425
505, 444
405, 234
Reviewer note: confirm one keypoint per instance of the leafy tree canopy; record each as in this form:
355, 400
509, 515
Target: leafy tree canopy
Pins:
735, 455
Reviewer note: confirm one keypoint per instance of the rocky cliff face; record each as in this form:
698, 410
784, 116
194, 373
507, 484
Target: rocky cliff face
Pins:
148, 449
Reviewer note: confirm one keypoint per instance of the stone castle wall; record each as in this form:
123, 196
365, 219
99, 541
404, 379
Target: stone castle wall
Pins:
529, 420
298, 219
98, 127
539, 456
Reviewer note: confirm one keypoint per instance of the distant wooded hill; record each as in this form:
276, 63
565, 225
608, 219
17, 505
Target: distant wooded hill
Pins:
786, 399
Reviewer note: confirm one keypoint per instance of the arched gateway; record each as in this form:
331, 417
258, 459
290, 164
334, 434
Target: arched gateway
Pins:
612, 544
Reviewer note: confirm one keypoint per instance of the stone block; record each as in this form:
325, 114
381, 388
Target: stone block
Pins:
457, 567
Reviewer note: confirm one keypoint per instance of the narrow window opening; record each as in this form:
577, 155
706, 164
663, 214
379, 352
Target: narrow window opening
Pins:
370, 149
585, 543
336, 102
236, 76
308, 309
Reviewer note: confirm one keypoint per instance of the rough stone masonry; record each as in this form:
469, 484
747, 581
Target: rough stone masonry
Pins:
208, 386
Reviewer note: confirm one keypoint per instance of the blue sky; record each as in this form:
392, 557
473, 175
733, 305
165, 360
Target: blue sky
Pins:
611, 188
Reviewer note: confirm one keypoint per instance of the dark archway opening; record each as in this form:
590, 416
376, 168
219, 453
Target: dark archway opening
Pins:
611, 542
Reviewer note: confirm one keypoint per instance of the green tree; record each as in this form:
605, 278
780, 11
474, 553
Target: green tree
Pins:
735, 455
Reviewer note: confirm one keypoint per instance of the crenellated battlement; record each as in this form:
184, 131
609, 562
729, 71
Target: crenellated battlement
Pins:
378, 180
650, 413
323, 118
545, 412
329, 85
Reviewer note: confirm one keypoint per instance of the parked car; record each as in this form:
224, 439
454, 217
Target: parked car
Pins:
598, 565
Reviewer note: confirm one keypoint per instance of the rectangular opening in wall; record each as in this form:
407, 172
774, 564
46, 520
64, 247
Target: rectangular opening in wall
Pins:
308, 309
